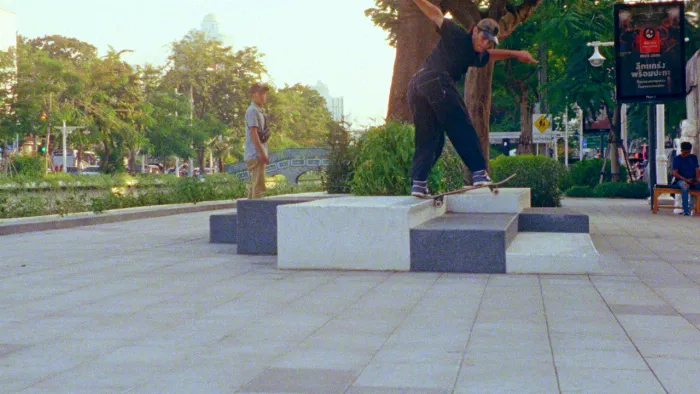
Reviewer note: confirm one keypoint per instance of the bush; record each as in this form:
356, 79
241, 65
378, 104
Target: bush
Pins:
28, 165
383, 164
638, 190
580, 191
587, 173
336, 177
540, 173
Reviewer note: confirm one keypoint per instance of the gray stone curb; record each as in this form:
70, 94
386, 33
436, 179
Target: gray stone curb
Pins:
55, 222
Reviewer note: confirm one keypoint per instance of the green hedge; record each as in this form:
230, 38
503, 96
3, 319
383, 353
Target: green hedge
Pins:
580, 191
638, 190
36, 197
540, 173
383, 164
587, 173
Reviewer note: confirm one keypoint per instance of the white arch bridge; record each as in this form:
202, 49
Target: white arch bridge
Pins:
292, 163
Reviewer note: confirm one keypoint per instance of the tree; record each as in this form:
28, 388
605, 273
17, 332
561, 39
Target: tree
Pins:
298, 117
216, 80
415, 37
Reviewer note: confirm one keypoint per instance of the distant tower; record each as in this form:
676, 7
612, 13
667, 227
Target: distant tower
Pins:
211, 26
335, 105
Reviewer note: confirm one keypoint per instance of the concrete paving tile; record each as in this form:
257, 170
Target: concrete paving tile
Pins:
395, 390
651, 310
341, 324
684, 300
301, 380
347, 341
396, 375
507, 377
418, 355
202, 378
668, 349
677, 375
98, 376
693, 318
612, 381
597, 358
659, 328
324, 359
564, 341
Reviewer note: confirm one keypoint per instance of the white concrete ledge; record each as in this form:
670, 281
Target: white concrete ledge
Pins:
552, 253
350, 233
509, 200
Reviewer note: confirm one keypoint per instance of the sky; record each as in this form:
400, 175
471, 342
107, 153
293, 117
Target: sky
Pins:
304, 41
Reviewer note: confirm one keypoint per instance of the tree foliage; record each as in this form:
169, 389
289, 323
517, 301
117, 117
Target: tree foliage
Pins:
192, 105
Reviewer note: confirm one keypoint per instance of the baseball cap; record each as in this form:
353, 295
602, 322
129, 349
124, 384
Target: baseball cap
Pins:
258, 87
489, 28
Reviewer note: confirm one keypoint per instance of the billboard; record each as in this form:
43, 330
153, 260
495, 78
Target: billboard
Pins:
650, 52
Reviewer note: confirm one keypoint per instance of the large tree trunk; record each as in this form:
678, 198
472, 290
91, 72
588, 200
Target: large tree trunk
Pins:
525, 144
415, 38
615, 134
477, 95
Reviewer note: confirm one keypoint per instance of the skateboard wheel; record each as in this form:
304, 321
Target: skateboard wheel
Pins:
438, 204
495, 192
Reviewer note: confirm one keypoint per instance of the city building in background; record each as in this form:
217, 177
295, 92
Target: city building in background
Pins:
8, 25
211, 27
335, 105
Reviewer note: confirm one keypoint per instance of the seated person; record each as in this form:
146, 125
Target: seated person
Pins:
686, 173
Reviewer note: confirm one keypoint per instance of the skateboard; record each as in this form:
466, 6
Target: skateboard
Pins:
439, 199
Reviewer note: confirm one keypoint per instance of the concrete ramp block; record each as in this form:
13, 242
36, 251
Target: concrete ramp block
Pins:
350, 233
552, 253
508, 200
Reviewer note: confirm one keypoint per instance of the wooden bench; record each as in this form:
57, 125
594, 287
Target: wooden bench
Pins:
663, 189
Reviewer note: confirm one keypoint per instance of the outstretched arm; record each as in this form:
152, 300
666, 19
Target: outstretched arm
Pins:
433, 12
503, 54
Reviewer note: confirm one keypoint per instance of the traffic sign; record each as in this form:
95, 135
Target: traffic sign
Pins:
542, 123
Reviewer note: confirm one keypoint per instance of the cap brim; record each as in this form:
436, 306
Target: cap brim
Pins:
488, 35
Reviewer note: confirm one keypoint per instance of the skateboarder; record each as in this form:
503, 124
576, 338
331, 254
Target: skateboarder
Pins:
435, 102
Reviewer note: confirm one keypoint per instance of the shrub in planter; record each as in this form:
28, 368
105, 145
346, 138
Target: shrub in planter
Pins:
29, 165
580, 191
541, 174
383, 164
638, 190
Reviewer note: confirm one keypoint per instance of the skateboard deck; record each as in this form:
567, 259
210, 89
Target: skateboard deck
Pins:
439, 199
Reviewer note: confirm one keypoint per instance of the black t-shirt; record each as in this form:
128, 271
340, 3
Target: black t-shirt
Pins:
454, 52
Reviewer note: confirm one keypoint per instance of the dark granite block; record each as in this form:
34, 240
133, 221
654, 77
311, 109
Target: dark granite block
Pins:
553, 220
257, 224
223, 228
470, 243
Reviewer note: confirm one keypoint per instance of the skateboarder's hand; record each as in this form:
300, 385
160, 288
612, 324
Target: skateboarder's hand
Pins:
265, 159
525, 57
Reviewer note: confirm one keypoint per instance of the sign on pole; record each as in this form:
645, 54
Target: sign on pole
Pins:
541, 123
650, 52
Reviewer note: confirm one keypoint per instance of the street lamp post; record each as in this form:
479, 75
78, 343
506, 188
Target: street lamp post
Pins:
65, 131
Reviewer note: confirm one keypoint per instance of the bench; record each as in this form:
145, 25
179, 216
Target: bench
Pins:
663, 189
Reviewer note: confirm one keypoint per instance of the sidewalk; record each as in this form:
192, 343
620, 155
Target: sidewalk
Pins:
149, 306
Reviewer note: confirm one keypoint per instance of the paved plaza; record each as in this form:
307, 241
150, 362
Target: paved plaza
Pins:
149, 306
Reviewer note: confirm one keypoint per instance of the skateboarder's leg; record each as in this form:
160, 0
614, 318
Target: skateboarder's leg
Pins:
461, 132
429, 138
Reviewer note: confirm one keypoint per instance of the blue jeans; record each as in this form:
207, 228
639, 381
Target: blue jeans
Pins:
685, 187
437, 107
